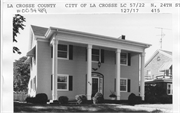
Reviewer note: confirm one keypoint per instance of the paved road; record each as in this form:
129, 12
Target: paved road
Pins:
166, 108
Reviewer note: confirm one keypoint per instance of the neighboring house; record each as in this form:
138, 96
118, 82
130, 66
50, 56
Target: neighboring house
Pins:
159, 65
68, 63
165, 85
158, 71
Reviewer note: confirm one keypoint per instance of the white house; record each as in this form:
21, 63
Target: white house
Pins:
68, 63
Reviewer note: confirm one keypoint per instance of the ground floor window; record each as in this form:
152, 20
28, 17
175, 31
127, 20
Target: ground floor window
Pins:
62, 82
169, 88
123, 85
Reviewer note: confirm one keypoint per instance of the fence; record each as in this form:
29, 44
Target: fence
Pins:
20, 96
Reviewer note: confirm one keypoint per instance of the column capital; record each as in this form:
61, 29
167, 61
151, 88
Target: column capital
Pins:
89, 46
143, 54
55, 41
118, 50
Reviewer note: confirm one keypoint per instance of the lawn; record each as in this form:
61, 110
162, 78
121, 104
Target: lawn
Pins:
26, 107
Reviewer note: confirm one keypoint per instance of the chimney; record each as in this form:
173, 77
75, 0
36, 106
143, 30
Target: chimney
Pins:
123, 37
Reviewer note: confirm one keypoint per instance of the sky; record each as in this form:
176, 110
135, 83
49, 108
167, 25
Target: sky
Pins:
136, 27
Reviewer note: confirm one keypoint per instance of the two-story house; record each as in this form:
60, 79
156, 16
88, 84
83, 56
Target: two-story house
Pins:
158, 70
67, 63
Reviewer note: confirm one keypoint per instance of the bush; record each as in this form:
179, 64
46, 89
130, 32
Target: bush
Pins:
152, 100
133, 99
98, 98
30, 100
166, 99
63, 100
41, 98
81, 99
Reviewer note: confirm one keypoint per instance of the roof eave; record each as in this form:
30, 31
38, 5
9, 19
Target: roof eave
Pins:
51, 30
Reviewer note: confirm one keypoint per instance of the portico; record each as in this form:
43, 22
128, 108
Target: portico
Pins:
89, 41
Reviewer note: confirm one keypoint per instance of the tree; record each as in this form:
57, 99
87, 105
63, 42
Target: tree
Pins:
17, 25
21, 75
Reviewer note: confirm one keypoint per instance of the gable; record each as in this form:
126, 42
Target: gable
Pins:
162, 52
39, 31
157, 63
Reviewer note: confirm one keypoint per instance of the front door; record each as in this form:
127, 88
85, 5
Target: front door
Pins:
95, 85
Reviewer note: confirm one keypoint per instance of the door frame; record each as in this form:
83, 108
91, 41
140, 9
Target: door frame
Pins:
99, 76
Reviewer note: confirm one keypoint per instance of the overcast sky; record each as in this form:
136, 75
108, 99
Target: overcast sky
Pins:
136, 27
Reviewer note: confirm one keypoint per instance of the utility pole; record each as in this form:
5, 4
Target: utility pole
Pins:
162, 35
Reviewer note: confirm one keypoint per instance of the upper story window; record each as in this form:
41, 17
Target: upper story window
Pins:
124, 58
63, 51
95, 55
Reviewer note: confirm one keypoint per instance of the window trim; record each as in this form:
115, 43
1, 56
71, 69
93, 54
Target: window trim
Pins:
126, 84
62, 75
126, 59
67, 58
96, 55
169, 89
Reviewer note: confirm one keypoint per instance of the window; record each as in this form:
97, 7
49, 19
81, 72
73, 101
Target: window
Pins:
169, 89
62, 82
123, 85
63, 51
124, 58
95, 55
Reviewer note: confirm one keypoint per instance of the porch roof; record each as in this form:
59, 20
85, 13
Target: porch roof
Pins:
159, 80
53, 30
31, 53
28, 60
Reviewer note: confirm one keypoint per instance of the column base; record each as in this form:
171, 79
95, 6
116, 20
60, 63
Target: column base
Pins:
142, 97
118, 98
88, 97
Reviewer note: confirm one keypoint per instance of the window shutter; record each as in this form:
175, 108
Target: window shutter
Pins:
115, 58
86, 84
115, 85
129, 85
70, 52
51, 82
51, 52
86, 54
129, 59
70, 83
102, 56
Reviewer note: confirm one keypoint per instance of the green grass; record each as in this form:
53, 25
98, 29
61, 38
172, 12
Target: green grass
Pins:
25, 107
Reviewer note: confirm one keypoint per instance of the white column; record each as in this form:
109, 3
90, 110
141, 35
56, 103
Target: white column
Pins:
89, 71
118, 71
142, 76
54, 70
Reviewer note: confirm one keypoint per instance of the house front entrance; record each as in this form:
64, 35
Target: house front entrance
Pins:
97, 83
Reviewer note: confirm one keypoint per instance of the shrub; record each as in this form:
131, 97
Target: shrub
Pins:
152, 100
166, 99
41, 98
81, 99
133, 99
30, 100
63, 99
98, 98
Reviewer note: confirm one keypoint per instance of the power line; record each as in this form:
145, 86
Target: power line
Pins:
162, 35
